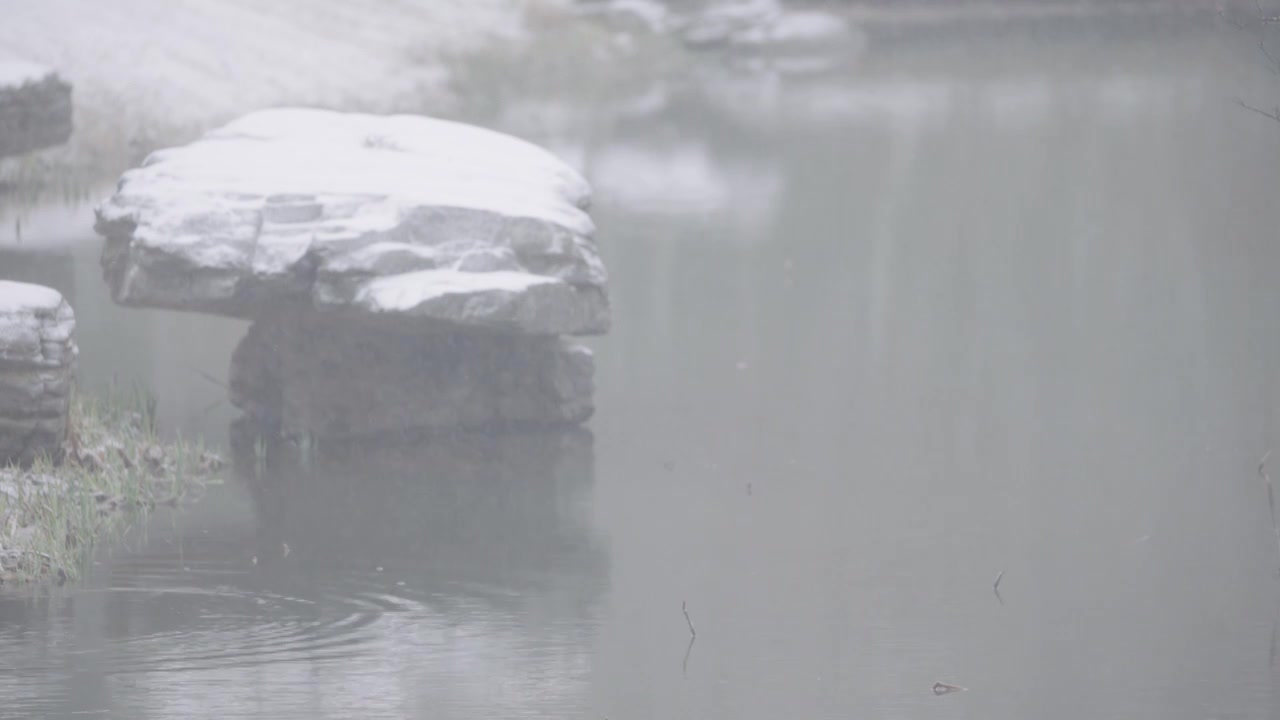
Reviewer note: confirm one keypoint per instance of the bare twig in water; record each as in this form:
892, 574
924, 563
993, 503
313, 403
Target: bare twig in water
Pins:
1271, 499
684, 667
995, 586
684, 608
941, 688
1275, 63
1272, 662
209, 377
1271, 114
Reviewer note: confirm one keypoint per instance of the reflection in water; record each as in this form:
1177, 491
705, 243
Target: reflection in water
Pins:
684, 183
455, 579
495, 508
55, 268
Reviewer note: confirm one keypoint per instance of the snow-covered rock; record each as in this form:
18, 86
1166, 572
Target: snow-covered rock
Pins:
724, 22
407, 221
799, 29
297, 374
37, 366
651, 15
759, 35
35, 108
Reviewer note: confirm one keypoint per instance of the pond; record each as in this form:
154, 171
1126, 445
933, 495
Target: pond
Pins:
959, 306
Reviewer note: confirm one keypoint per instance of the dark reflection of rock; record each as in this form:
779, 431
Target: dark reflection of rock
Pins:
35, 108
505, 512
299, 374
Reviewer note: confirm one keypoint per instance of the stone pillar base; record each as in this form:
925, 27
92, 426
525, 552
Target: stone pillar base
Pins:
297, 373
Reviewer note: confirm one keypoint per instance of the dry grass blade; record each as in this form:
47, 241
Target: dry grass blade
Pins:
1273, 114
210, 378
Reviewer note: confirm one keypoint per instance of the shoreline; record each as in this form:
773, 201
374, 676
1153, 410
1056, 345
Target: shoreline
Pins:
113, 472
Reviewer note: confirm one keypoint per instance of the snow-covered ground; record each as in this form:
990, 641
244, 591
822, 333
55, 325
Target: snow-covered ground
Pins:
154, 64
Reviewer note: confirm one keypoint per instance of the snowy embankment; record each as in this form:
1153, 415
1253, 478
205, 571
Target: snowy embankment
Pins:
149, 73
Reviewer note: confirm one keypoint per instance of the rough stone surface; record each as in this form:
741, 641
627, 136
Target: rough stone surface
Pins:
37, 366
299, 373
408, 222
35, 108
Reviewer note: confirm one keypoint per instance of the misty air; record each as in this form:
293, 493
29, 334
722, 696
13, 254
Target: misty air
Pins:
640, 359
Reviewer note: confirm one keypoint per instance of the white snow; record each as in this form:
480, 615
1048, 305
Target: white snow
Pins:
15, 74
381, 203
796, 27
405, 160
169, 65
16, 297
399, 293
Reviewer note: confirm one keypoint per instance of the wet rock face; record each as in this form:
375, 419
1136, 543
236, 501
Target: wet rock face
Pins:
35, 108
409, 222
296, 373
37, 366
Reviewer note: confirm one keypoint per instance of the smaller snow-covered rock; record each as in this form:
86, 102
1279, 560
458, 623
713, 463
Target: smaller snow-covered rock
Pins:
35, 108
762, 35
37, 366
798, 29
651, 15
723, 22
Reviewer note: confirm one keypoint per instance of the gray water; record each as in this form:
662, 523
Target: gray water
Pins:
959, 307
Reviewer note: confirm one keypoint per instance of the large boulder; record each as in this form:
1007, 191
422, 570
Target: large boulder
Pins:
299, 373
403, 273
35, 108
37, 366
404, 221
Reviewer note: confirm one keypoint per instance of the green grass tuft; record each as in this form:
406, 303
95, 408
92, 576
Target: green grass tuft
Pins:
113, 471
